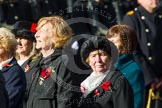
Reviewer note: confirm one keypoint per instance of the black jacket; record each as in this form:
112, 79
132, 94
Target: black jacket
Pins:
149, 35
54, 91
120, 95
3, 93
28, 66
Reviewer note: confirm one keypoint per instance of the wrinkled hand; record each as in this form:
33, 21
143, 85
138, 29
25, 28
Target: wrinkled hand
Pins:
82, 88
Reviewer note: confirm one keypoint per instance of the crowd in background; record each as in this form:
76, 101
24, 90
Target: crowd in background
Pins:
31, 10
80, 53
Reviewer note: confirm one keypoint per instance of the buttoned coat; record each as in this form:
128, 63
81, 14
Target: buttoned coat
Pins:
149, 36
16, 11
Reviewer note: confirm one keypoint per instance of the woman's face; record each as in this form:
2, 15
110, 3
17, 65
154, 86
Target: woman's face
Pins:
99, 61
116, 40
24, 46
43, 37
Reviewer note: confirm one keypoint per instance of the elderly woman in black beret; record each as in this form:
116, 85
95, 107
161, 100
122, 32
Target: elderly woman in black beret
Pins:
104, 87
15, 82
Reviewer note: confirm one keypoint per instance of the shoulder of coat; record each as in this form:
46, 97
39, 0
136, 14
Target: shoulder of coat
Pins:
131, 12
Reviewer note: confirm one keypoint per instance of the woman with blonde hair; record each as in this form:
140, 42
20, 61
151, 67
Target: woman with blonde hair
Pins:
52, 79
15, 81
26, 53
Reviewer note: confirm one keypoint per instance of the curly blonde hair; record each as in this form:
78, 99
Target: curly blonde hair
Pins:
61, 30
8, 41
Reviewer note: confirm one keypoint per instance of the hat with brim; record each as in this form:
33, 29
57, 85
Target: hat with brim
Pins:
92, 44
24, 29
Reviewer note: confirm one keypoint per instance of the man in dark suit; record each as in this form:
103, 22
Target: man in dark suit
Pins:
146, 19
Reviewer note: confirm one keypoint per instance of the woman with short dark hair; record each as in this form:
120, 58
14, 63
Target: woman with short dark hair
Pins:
125, 39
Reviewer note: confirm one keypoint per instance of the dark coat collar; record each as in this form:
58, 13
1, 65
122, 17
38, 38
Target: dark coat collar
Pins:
50, 58
148, 15
11, 63
123, 60
41, 62
100, 89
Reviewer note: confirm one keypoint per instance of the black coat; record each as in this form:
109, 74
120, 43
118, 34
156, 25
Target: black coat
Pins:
15, 84
28, 66
149, 35
56, 90
3, 93
121, 95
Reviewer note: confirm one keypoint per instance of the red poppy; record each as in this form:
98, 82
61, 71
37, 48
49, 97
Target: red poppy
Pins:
45, 73
7, 65
97, 92
33, 28
107, 86
27, 67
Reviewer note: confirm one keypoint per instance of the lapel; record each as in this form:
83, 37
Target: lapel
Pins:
11, 63
35, 75
29, 63
41, 64
99, 91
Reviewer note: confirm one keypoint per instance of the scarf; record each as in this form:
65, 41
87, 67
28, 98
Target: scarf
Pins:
92, 82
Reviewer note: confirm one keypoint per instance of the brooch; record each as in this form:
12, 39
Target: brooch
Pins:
27, 67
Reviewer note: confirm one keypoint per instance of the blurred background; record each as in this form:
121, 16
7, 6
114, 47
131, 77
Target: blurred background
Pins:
15, 10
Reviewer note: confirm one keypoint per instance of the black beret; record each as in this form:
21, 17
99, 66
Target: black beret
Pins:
24, 29
95, 43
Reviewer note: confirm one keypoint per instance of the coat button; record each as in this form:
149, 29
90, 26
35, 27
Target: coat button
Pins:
147, 30
160, 16
149, 58
49, 12
148, 44
143, 17
16, 17
11, 5
105, 6
135, 9
46, 1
